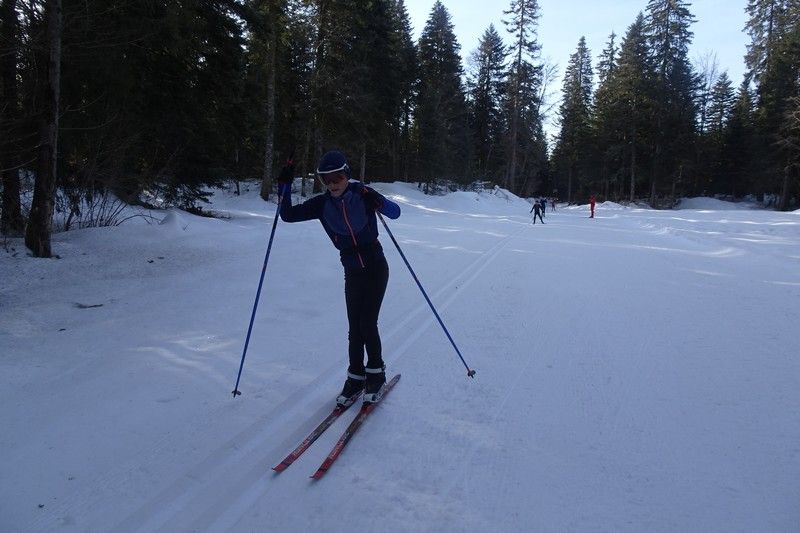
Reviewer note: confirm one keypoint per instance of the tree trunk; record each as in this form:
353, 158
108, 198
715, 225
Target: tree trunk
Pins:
633, 171
40, 222
569, 185
784, 201
11, 221
362, 171
304, 160
266, 176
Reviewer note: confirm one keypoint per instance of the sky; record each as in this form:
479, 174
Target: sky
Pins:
635, 372
718, 28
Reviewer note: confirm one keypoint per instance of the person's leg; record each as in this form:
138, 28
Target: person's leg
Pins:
355, 290
376, 289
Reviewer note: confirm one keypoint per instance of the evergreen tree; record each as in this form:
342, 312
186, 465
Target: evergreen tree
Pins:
359, 76
40, 219
572, 153
780, 91
606, 62
606, 135
404, 73
768, 21
525, 140
440, 117
11, 220
773, 59
714, 138
739, 148
667, 27
630, 111
487, 85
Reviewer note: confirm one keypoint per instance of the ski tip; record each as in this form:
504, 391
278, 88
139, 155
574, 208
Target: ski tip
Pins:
279, 468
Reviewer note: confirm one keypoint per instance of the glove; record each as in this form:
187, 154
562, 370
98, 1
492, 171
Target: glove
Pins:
285, 178
286, 174
372, 199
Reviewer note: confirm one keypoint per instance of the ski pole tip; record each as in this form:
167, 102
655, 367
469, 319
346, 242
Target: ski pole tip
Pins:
236, 393
471, 373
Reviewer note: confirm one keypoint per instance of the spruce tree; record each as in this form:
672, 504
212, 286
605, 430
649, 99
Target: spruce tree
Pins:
740, 145
669, 37
773, 60
487, 85
606, 135
525, 139
11, 220
631, 110
720, 107
440, 125
404, 75
572, 152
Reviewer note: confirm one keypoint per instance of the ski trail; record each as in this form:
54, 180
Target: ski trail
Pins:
463, 280
213, 494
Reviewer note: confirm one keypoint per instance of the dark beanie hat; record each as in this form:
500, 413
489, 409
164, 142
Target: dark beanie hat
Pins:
333, 161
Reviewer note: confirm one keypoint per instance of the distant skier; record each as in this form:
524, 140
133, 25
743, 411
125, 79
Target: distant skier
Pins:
553, 203
543, 202
347, 213
537, 211
591, 205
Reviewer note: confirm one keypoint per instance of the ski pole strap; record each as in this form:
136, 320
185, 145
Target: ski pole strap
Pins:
470, 372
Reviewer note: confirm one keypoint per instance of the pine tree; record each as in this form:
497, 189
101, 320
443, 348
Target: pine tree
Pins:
605, 133
606, 62
739, 158
487, 85
669, 37
632, 102
440, 134
523, 100
40, 219
768, 21
404, 56
11, 220
720, 106
572, 151
773, 61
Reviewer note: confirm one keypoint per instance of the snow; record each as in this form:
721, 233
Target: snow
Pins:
635, 372
712, 204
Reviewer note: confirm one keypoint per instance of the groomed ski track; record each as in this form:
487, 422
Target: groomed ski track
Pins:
236, 480
604, 397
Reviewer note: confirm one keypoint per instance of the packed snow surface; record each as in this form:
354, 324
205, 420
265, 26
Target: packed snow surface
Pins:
635, 372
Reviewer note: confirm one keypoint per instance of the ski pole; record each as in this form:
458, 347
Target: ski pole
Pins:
470, 372
236, 391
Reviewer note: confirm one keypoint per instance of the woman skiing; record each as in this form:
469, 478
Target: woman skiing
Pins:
347, 211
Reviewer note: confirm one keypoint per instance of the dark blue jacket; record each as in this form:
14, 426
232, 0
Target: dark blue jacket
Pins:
351, 224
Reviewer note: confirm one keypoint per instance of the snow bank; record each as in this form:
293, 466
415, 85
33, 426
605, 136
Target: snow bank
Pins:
712, 204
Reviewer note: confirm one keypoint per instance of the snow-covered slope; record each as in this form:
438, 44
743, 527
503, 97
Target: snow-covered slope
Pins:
635, 372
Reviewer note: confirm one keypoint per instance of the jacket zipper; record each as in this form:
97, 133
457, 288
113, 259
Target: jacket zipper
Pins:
352, 234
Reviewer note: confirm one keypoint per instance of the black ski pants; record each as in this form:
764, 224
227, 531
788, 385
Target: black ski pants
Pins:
363, 292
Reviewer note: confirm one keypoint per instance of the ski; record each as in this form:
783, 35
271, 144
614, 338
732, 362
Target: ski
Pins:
314, 435
351, 429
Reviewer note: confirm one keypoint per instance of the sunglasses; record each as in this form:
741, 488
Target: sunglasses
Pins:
332, 177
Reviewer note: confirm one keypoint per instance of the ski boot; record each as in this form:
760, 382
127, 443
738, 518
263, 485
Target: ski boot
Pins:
375, 385
352, 388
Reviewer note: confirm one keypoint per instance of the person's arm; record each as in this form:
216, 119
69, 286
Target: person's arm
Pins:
380, 203
308, 210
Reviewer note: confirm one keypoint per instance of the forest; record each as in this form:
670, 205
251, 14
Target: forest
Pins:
107, 103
